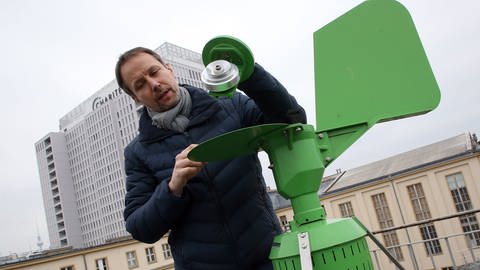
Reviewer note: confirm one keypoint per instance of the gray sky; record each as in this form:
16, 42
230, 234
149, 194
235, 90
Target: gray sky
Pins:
55, 54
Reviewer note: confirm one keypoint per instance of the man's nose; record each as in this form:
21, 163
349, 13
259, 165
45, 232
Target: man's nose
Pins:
152, 83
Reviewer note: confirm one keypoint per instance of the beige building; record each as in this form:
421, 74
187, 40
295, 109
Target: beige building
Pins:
116, 255
422, 204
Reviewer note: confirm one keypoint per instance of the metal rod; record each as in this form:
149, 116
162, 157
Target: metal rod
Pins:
412, 256
375, 240
451, 254
430, 252
376, 259
470, 246
428, 221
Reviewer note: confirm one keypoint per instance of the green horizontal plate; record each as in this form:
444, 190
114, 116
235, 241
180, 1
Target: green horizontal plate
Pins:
233, 144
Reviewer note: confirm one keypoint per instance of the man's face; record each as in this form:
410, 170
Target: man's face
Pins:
152, 83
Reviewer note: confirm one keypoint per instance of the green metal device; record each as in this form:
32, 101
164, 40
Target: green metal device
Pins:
228, 62
370, 67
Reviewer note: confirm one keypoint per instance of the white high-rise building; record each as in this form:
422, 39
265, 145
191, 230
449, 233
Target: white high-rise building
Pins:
81, 166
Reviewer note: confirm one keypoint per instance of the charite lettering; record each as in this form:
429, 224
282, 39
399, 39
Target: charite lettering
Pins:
99, 101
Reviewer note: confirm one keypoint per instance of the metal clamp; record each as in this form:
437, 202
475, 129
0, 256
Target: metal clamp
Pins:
304, 250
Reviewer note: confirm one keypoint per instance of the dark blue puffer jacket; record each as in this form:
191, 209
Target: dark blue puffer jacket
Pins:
224, 218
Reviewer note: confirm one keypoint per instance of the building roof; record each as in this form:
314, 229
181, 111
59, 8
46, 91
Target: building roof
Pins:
63, 251
278, 202
408, 161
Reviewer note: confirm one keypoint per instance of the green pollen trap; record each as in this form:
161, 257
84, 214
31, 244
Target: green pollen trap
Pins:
370, 67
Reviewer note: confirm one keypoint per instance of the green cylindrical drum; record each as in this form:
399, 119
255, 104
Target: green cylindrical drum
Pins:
333, 244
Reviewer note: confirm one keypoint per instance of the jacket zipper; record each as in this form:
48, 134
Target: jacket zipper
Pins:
222, 215
210, 185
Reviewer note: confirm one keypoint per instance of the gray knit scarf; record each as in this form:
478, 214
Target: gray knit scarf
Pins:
177, 117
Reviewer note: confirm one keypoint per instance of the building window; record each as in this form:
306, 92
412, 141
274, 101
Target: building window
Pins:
385, 221
419, 202
284, 223
51, 166
346, 209
167, 253
432, 247
462, 202
63, 242
101, 264
459, 192
422, 212
132, 259
469, 223
391, 239
67, 268
150, 252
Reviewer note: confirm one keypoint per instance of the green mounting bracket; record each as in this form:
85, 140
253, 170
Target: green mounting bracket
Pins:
295, 152
370, 67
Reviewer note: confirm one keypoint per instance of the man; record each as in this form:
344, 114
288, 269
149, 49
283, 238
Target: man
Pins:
219, 214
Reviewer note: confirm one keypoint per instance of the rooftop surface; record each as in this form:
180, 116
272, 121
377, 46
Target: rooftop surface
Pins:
411, 160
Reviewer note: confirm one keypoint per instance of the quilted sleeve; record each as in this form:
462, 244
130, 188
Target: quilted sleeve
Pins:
150, 208
271, 97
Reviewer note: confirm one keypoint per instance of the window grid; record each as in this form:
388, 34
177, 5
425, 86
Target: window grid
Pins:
132, 259
150, 252
470, 223
391, 242
167, 253
422, 212
101, 264
346, 209
385, 221
459, 192
433, 247
284, 223
461, 199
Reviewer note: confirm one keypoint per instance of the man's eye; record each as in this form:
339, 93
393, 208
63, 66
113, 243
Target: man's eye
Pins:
154, 71
138, 85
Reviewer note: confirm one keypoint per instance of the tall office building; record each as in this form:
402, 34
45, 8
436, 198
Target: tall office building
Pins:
81, 165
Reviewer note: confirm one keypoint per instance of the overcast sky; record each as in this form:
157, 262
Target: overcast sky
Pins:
55, 54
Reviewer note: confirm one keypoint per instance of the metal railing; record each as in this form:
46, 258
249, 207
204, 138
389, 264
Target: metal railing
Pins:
458, 253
